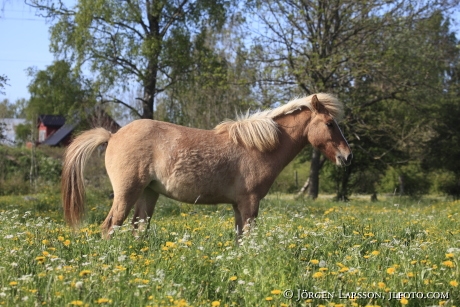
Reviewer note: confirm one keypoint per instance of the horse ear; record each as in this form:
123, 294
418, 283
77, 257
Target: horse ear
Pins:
315, 104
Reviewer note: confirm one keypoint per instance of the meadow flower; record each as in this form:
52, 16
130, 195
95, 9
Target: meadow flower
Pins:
76, 303
84, 273
269, 298
79, 284
103, 300
453, 283
404, 301
40, 259
314, 261
215, 304
276, 291
450, 255
318, 275
448, 264
13, 283
170, 244
233, 278
391, 271
375, 253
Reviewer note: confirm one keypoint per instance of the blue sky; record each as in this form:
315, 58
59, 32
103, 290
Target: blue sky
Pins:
24, 39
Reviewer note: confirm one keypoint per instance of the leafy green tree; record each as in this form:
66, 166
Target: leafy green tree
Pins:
12, 110
3, 82
216, 86
392, 107
338, 46
128, 42
58, 90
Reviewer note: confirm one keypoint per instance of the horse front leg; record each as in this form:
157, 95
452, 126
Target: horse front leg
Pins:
246, 212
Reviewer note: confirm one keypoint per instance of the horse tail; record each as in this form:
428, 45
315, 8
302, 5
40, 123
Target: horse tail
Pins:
72, 181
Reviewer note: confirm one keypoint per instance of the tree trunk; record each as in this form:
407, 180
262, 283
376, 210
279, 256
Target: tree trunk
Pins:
315, 166
149, 91
401, 184
342, 189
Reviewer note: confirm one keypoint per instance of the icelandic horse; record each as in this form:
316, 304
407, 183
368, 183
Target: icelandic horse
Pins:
235, 163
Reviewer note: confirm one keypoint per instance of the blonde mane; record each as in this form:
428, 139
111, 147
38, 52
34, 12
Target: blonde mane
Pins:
260, 130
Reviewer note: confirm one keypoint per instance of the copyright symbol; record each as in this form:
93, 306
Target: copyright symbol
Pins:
288, 293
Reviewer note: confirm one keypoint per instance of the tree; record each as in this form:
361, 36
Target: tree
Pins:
392, 132
58, 90
12, 110
126, 42
217, 84
329, 45
3, 82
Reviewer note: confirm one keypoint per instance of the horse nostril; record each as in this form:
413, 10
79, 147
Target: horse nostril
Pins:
350, 156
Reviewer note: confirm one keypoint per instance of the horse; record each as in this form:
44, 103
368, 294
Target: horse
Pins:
234, 163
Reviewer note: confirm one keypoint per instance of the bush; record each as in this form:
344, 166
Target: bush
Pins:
406, 180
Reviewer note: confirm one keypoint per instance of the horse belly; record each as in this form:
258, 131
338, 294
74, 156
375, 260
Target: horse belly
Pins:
198, 177
193, 192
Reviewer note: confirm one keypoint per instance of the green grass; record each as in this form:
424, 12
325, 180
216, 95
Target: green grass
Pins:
188, 257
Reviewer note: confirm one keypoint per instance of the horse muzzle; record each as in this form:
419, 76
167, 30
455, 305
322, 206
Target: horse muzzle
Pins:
342, 160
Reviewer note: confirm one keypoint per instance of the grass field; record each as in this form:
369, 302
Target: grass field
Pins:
321, 253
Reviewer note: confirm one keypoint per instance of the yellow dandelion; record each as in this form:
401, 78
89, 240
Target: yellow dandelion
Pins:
276, 291
13, 283
381, 285
61, 239
318, 275
391, 271
404, 301
453, 283
40, 259
144, 249
314, 261
66, 242
76, 303
269, 298
170, 244
215, 304
450, 255
448, 264
45, 242
103, 300
410, 274
233, 278
375, 253
344, 269
84, 273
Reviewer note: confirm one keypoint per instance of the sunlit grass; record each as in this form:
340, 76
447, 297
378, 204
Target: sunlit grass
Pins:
323, 251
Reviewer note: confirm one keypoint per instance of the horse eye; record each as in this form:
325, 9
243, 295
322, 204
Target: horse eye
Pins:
329, 124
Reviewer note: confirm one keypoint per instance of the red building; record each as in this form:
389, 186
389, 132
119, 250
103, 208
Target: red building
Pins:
54, 131
49, 125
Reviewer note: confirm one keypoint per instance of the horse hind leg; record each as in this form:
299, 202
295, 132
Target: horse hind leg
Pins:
143, 210
123, 202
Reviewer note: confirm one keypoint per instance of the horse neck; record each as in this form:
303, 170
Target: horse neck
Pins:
292, 134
